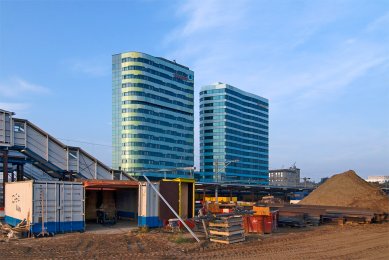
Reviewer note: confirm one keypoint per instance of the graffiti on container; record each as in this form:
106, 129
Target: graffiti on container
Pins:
16, 200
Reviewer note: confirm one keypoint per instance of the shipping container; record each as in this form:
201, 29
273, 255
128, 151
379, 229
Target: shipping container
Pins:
47, 206
148, 206
108, 201
180, 194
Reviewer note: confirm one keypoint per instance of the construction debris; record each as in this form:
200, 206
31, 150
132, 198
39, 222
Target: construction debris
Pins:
348, 190
19, 231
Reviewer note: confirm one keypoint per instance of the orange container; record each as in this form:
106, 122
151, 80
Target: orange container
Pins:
254, 224
268, 224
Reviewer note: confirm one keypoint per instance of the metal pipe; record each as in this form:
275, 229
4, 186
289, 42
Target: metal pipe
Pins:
170, 207
5, 173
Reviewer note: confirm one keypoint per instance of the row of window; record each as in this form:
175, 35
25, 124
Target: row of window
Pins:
153, 113
233, 151
233, 119
219, 97
245, 141
213, 104
246, 110
156, 138
240, 165
235, 145
160, 155
230, 98
156, 81
245, 116
157, 146
152, 162
155, 64
208, 168
156, 130
248, 160
235, 132
232, 92
160, 74
163, 99
231, 124
157, 122
145, 103
159, 90
218, 117
239, 108
248, 129
246, 104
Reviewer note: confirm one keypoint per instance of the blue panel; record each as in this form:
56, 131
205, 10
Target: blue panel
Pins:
59, 227
51, 227
149, 222
12, 221
126, 214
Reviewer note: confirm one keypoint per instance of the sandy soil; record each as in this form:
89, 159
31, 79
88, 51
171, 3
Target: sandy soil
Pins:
347, 242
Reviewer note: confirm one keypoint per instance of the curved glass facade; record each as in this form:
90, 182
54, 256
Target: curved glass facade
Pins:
152, 113
234, 126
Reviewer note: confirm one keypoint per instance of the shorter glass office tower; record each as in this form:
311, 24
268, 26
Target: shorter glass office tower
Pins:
234, 135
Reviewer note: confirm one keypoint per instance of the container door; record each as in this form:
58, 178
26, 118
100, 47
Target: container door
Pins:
45, 204
170, 191
72, 207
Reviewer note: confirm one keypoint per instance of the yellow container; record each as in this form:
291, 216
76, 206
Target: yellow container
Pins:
264, 211
222, 199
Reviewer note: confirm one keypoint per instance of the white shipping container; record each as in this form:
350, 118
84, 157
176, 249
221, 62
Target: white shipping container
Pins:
58, 205
148, 207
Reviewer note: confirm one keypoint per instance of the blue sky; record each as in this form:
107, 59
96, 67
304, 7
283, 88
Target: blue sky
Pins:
324, 66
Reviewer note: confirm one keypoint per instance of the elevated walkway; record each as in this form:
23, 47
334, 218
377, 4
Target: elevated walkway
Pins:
45, 157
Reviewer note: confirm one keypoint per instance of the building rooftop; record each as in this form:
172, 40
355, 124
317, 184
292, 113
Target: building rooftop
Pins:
220, 85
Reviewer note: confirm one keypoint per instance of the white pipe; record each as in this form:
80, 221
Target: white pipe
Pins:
170, 207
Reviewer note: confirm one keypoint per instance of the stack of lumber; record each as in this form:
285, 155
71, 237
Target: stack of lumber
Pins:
227, 229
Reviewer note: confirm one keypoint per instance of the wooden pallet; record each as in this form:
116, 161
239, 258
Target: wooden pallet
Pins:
226, 241
227, 229
226, 233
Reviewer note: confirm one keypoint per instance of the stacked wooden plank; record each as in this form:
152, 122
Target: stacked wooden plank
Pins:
301, 215
227, 229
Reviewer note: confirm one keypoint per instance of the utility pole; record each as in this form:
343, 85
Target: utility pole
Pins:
217, 171
305, 181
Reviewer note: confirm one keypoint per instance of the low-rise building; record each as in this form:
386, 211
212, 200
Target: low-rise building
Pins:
379, 179
285, 177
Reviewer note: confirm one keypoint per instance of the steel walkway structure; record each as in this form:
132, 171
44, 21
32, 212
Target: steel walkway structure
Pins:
45, 157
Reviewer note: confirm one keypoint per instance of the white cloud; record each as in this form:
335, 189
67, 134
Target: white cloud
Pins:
14, 107
94, 67
272, 55
297, 54
18, 87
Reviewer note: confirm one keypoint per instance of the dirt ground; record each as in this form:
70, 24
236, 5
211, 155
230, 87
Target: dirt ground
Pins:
347, 242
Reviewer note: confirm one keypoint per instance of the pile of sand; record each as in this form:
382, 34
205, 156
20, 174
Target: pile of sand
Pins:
348, 190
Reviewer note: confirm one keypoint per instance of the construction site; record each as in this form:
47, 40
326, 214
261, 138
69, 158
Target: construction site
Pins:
61, 202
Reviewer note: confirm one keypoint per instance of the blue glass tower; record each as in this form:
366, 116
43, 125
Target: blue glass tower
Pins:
234, 135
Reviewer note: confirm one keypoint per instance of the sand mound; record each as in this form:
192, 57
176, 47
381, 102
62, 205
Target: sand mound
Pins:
348, 190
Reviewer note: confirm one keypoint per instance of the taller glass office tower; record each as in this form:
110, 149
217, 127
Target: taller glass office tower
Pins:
234, 135
152, 114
